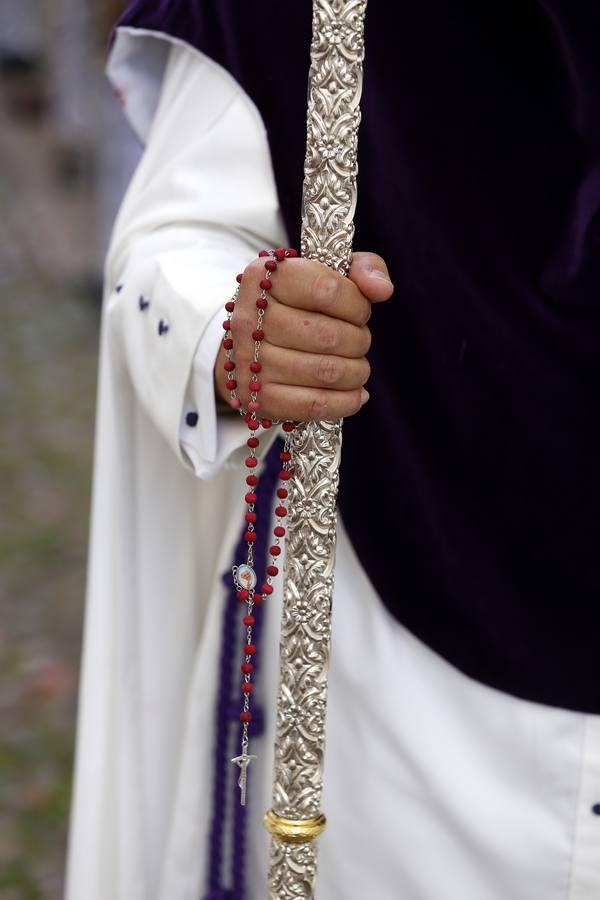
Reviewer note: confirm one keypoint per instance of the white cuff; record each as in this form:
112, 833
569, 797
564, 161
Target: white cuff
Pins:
208, 439
169, 305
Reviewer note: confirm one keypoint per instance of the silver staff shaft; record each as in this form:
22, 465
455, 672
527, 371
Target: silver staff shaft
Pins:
329, 200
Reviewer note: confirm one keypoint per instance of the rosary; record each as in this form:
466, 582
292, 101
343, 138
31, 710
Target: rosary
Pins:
244, 575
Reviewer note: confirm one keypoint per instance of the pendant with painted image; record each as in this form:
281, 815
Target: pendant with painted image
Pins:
245, 577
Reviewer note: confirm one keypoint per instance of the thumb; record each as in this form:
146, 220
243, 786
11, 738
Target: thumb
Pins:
370, 274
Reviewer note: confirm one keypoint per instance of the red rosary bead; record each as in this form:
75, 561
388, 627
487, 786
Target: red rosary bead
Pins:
266, 423
288, 426
228, 344
282, 493
229, 366
262, 303
249, 649
285, 475
253, 424
230, 306
258, 599
270, 265
264, 253
226, 325
231, 384
280, 254
243, 595
255, 366
235, 403
247, 687
250, 517
252, 480
239, 277
250, 537
253, 442
255, 386
249, 620
291, 253
247, 668
267, 588
281, 512
278, 531
254, 406
265, 284
245, 717
272, 571
251, 461
284, 456
274, 550
250, 497
258, 334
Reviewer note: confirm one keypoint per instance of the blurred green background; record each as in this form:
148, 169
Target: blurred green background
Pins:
65, 157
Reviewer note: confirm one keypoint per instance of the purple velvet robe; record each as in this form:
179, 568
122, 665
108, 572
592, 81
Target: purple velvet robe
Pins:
471, 480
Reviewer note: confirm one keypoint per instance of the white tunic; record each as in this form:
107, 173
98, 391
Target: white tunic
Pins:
437, 788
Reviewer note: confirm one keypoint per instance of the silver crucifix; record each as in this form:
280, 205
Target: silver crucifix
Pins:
243, 761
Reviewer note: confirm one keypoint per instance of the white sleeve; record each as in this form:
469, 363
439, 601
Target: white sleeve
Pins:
201, 203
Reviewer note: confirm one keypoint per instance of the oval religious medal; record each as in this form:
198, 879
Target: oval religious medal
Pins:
246, 577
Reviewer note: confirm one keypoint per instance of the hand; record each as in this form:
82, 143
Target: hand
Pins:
313, 355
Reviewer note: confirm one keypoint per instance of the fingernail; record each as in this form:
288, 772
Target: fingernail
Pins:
383, 276
364, 396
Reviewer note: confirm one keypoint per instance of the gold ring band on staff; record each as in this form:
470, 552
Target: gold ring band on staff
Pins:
294, 831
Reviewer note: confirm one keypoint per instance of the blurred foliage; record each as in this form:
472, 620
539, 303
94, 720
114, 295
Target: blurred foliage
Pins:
45, 452
50, 255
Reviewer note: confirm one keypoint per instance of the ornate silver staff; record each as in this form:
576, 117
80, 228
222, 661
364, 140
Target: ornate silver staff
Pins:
329, 201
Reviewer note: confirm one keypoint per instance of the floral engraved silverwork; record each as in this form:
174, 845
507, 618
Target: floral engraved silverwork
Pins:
329, 201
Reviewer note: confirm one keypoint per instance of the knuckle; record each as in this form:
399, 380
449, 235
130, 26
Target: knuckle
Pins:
328, 337
326, 289
329, 370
